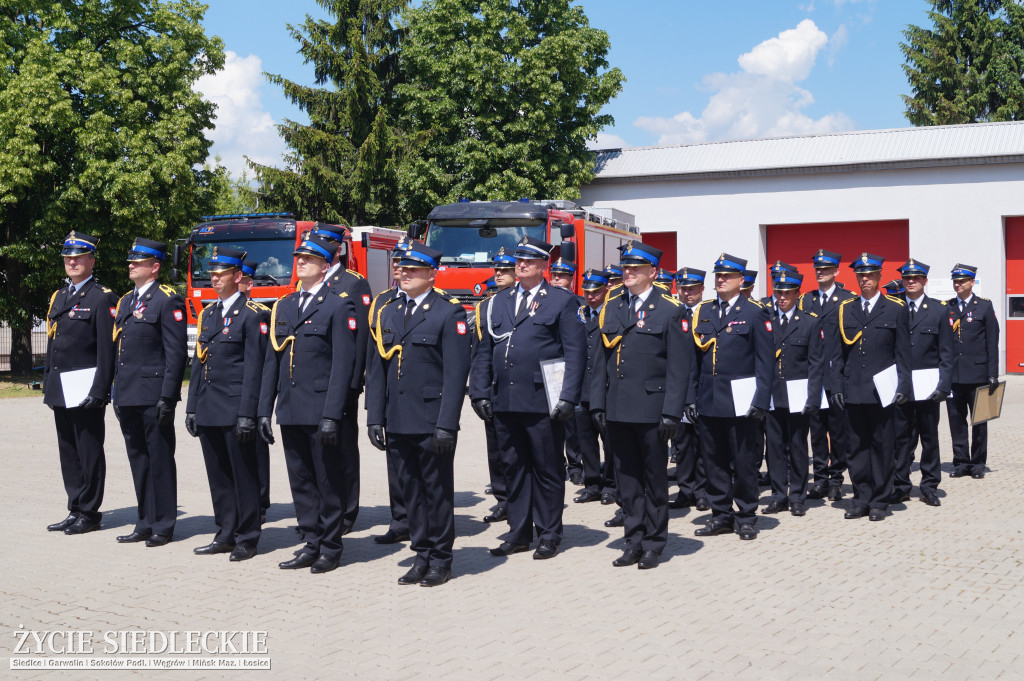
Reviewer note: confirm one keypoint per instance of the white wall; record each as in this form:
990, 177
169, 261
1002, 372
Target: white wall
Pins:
955, 214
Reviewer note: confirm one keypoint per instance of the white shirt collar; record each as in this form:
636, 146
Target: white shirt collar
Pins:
313, 290
532, 291
140, 292
871, 302
829, 293
418, 300
643, 296
227, 304
965, 301
334, 268
79, 285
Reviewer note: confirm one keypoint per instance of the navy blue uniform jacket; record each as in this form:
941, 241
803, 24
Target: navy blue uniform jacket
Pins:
863, 347
228, 364
311, 374
80, 330
931, 342
975, 340
645, 368
423, 384
739, 346
799, 354
508, 361
151, 348
358, 289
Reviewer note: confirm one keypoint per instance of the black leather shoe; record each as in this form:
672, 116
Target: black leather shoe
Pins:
303, 560
900, 497
499, 514
414, 575
63, 525
488, 490
746, 531
817, 491
158, 540
323, 564
263, 518
702, 504
713, 528
856, 512
243, 551
930, 498
134, 537
81, 526
546, 549
628, 557
586, 496
775, 507
607, 498
978, 475
391, 537
576, 478
957, 473
507, 549
682, 501
212, 548
617, 520
436, 576
649, 560
798, 509
876, 514
835, 493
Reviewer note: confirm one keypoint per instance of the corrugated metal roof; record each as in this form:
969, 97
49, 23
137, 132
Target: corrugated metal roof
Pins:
867, 149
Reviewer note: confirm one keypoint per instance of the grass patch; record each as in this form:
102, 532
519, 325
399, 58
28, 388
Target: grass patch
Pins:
19, 386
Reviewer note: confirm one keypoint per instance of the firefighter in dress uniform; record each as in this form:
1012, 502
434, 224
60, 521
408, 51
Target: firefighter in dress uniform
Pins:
249, 268
79, 326
561, 274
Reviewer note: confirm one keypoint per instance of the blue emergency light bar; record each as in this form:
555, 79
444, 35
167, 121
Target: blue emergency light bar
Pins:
236, 216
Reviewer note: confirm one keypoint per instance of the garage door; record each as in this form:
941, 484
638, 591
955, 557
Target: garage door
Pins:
797, 244
666, 242
1014, 295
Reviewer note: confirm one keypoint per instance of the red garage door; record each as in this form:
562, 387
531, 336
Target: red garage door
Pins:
1014, 295
797, 244
666, 242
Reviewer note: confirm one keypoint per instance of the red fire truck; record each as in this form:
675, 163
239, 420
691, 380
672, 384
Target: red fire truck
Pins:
269, 239
469, 234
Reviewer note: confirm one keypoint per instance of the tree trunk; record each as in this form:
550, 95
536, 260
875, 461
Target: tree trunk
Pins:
21, 348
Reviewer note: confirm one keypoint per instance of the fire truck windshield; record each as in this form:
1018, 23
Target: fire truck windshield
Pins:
465, 246
273, 255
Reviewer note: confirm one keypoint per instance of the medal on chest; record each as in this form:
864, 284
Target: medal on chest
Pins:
227, 324
640, 318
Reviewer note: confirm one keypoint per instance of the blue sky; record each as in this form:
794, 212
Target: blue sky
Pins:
695, 71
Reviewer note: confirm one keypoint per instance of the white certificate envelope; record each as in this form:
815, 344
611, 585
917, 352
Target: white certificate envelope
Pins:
796, 393
885, 384
553, 373
743, 394
925, 382
76, 385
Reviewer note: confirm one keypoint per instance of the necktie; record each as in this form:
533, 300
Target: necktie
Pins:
783, 320
821, 302
71, 291
408, 309
723, 310
963, 305
635, 304
523, 302
303, 299
218, 314
913, 308
867, 308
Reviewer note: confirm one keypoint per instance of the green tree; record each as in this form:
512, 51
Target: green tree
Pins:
100, 131
969, 67
343, 166
230, 194
508, 93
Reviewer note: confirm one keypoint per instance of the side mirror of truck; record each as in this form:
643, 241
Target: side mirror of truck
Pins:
569, 251
417, 229
568, 230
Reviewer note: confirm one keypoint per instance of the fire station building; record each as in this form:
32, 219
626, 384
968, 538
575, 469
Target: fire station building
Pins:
943, 195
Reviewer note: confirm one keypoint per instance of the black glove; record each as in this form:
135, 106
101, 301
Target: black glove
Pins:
598, 417
756, 413
164, 412
327, 433
668, 428
563, 411
900, 398
444, 441
91, 402
937, 396
190, 424
245, 430
376, 435
483, 409
265, 430
993, 383
692, 415
809, 408
838, 401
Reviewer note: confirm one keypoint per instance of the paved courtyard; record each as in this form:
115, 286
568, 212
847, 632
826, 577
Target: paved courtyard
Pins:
930, 593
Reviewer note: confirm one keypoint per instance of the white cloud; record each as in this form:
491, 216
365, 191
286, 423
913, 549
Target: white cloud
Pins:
761, 100
242, 126
606, 140
837, 42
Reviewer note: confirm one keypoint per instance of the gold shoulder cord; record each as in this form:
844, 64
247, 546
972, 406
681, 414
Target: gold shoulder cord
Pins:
479, 331
387, 354
118, 329
278, 347
842, 331
600, 323
800, 302
51, 328
711, 343
201, 352
373, 306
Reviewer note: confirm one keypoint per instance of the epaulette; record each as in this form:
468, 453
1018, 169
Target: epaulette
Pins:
105, 289
168, 291
813, 314
985, 299
661, 286
943, 302
800, 302
671, 299
894, 299
617, 295
256, 307
847, 301
343, 294
454, 301
355, 273
757, 302
441, 291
